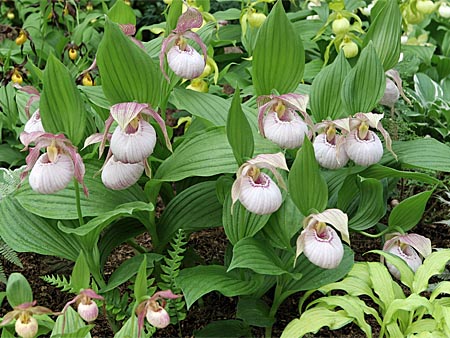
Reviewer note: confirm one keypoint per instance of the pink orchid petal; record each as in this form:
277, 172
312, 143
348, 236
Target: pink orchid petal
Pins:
192, 18
94, 138
31, 160
108, 124
276, 160
165, 46
91, 294
161, 124
262, 110
196, 38
124, 113
343, 124
420, 243
300, 246
9, 317
235, 190
128, 29
296, 101
166, 294
30, 101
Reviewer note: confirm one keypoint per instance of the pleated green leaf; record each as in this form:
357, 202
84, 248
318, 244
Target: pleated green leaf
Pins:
26, 232
80, 278
18, 290
307, 187
122, 13
372, 206
326, 90
72, 325
174, 13
279, 56
384, 32
239, 132
140, 285
200, 280
410, 211
434, 264
61, 107
364, 86
254, 311
379, 172
258, 256
242, 223
128, 73
62, 204
195, 208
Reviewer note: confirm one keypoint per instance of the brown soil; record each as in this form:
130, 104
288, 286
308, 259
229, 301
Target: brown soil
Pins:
210, 246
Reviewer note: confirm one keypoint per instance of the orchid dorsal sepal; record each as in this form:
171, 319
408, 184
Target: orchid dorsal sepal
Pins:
337, 218
420, 243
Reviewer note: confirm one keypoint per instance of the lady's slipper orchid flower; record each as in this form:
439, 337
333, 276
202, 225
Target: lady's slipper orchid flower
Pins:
118, 175
279, 122
256, 191
26, 325
362, 145
411, 248
319, 242
153, 309
86, 307
183, 59
134, 138
393, 89
328, 146
34, 122
53, 170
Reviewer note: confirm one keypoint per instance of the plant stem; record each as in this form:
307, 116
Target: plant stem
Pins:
277, 300
78, 202
136, 246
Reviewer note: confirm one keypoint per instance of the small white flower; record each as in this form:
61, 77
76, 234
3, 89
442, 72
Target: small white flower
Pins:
256, 191
186, 63
319, 242
117, 175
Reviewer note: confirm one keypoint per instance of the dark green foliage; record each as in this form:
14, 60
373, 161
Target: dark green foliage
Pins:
9, 255
60, 282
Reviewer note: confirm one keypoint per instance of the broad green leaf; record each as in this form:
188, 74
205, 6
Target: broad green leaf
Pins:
410, 211
326, 90
233, 328
128, 73
442, 288
200, 280
206, 153
425, 153
129, 329
364, 85
128, 269
378, 171
193, 209
61, 107
10, 156
32, 233
427, 325
72, 324
283, 224
406, 274
122, 13
173, 15
372, 205
18, 290
80, 277
384, 32
278, 57
254, 311
432, 265
242, 223
382, 283
96, 95
257, 255
307, 187
313, 320
409, 304
239, 132
61, 205
140, 285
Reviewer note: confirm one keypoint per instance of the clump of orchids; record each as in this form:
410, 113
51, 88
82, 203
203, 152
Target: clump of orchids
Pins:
153, 310
412, 248
132, 141
256, 191
26, 325
319, 242
182, 58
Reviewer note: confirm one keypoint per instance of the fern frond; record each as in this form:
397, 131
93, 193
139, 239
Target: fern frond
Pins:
3, 278
9, 254
60, 282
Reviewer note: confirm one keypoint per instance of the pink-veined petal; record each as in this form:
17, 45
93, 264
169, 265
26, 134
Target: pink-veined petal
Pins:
94, 138
117, 175
128, 29
262, 111
296, 101
288, 134
420, 243
158, 318
192, 18
88, 312
343, 124
329, 155
195, 37
106, 135
161, 124
91, 294
165, 45
124, 113
187, 63
337, 218
276, 160
166, 294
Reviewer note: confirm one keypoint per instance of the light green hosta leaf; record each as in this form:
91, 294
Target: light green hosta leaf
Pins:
432, 265
96, 95
382, 283
72, 324
409, 304
378, 172
426, 89
426, 326
307, 187
326, 90
128, 73
443, 287
26, 232
61, 107
257, 255
313, 320
195, 208
426, 153
18, 290
200, 280
410, 211
61, 205
364, 85
242, 223
239, 132
406, 274
372, 206
278, 57
174, 13
384, 32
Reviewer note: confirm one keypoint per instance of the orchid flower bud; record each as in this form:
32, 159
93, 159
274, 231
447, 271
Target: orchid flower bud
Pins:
255, 19
349, 47
328, 148
26, 326
279, 122
340, 25
410, 247
34, 123
319, 242
393, 89
256, 191
117, 175
444, 10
